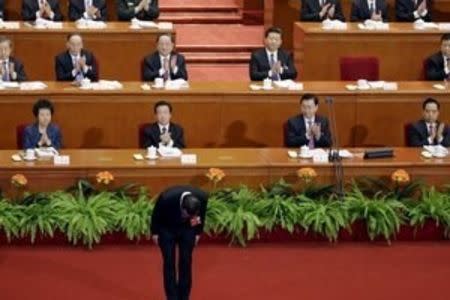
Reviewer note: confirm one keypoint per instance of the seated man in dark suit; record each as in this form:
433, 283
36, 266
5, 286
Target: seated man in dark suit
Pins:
362, 10
141, 9
41, 9
87, 9
177, 222
272, 61
163, 132
75, 64
412, 10
319, 10
11, 68
165, 63
437, 66
429, 130
42, 133
308, 128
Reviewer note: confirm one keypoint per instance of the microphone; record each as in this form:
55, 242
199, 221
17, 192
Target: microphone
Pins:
333, 155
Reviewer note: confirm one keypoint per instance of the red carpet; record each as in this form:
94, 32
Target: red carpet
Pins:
262, 271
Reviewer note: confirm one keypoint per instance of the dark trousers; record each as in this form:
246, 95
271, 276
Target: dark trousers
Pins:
168, 240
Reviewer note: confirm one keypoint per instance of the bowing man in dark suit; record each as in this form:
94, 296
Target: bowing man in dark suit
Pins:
11, 68
75, 64
87, 9
412, 10
272, 61
178, 219
45, 9
429, 130
437, 66
319, 10
141, 9
163, 132
362, 10
42, 133
308, 128
165, 62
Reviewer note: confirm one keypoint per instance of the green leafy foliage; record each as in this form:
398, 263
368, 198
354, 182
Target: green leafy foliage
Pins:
10, 218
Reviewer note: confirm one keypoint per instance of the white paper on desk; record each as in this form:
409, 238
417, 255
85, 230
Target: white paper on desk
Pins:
255, 87
421, 25
288, 84
32, 86
9, 84
136, 23
321, 152
169, 151
90, 24
176, 84
334, 25
165, 26
373, 25
9, 25
376, 84
46, 152
390, 86
44, 24
437, 150
106, 85
444, 26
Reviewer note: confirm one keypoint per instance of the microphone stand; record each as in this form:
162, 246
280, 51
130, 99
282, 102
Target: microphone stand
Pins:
333, 155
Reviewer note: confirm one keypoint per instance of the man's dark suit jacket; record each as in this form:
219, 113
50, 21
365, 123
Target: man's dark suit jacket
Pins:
125, 10
2, 10
259, 65
152, 135
311, 9
19, 69
418, 135
296, 132
167, 211
404, 10
152, 64
30, 7
31, 136
434, 67
77, 9
64, 66
360, 10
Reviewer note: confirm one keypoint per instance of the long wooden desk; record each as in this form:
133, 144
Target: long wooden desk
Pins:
118, 49
284, 13
218, 114
401, 50
242, 166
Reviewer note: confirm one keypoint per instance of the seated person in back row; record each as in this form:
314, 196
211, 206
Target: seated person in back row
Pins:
41, 9
412, 10
11, 68
76, 63
437, 66
363, 10
308, 128
147, 10
42, 133
429, 130
319, 10
165, 62
88, 10
163, 132
272, 62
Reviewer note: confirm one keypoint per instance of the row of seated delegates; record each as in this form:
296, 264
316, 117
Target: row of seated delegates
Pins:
361, 10
272, 61
89, 9
307, 128
437, 66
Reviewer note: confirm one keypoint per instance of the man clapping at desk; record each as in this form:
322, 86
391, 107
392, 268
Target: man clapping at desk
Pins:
76, 63
165, 63
11, 68
272, 61
163, 132
87, 9
41, 9
319, 10
363, 10
140, 9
